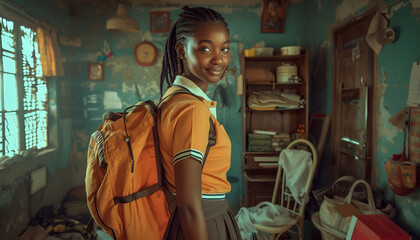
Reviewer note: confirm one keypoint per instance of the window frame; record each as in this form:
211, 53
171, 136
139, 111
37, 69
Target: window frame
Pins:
20, 19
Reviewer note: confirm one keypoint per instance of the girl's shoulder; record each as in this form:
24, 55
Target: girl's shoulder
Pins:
182, 102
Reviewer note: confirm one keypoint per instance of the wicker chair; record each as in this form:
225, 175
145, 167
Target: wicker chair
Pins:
287, 202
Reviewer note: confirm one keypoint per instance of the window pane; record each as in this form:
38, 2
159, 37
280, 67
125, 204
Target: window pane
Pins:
9, 65
28, 50
7, 26
36, 130
7, 42
30, 130
12, 133
9, 54
42, 135
10, 92
29, 93
38, 62
1, 96
42, 94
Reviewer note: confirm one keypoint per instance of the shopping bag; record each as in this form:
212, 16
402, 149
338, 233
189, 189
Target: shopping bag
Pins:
331, 218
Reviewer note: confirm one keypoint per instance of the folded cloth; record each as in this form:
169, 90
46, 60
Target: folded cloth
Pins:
296, 165
247, 229
265, 213
274, 99
268, 214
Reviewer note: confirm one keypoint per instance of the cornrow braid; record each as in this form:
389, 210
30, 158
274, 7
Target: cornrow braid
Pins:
184, 27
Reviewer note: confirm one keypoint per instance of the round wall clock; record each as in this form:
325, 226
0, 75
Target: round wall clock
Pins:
145, 53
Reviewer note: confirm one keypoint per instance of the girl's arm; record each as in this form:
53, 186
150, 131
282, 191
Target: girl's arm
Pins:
188, 199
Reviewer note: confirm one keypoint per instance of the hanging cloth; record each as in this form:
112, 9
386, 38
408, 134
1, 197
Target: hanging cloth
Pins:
49, 51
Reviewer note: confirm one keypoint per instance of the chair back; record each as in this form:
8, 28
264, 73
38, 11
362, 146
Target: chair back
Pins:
287, 201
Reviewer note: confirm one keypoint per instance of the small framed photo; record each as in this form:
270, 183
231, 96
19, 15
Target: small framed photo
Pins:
273, 16
95, 71
159, 22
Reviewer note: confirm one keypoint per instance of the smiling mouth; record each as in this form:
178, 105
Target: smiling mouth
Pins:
216, 72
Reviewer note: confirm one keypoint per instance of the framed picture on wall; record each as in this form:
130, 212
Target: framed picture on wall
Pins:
273, 16
159, 22
95, 71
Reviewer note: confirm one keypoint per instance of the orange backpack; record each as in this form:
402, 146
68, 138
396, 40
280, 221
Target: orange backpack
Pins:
125, 194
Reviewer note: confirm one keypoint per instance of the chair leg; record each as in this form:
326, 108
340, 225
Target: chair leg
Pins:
300, 229
262, 235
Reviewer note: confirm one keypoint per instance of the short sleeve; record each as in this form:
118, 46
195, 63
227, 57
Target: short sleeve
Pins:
191, 131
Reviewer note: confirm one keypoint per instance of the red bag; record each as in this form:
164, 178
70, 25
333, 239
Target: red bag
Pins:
401, 174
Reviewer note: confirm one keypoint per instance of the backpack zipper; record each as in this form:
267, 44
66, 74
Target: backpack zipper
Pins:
97, 212
127, 138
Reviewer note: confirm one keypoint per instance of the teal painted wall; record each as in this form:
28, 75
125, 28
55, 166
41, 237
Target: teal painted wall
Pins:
394, 68
308, 23
122, 73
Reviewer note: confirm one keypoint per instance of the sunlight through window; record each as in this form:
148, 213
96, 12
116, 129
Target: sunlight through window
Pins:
24, 93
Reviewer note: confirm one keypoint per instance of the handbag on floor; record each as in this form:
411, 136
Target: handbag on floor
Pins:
332, 220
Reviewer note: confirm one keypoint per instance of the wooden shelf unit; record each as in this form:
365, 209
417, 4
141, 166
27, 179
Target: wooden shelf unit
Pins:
259, 174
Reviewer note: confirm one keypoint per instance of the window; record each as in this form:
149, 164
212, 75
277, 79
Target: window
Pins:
23, 91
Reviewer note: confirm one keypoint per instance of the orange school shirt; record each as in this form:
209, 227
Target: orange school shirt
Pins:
183, 127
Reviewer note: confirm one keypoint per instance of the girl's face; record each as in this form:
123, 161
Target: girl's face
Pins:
206, 54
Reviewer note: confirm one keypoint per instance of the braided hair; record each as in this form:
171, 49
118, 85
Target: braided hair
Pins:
183, 28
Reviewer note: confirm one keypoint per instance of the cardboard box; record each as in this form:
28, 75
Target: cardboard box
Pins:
375, 227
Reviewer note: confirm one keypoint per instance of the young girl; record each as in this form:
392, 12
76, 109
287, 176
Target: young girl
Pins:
196, 54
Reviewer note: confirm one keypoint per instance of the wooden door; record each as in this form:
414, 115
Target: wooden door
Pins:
352, 101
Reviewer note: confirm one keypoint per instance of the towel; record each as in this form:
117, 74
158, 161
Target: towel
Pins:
271, 215
247, 229
265, 213
296, 165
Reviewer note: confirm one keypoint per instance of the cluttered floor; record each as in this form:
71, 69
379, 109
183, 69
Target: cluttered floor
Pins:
67, 220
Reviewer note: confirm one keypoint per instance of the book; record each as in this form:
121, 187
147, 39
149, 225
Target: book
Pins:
259, 148
267, 132
266, 159
256, 136
259, 142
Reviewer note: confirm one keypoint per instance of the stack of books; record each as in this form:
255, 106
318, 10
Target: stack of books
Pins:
280, 141
258, 142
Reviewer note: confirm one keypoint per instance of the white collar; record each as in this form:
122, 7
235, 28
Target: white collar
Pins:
194, 89
190, 86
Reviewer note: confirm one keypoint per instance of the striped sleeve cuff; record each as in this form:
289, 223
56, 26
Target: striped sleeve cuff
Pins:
192, 153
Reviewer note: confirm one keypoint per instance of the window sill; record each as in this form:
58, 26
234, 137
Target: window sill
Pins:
20, 165
6, 162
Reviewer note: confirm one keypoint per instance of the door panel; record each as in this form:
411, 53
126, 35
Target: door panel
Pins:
351, 103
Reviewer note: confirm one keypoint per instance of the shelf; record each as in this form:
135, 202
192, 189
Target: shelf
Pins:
262, 153
274, 58
273, 110
291, 85
258, 178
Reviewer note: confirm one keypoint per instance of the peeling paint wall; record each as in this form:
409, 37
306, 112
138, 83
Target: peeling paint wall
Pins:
123, 75
309, 23
394, 68
82, 101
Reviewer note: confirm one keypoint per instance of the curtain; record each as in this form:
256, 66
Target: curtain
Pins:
51, 60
